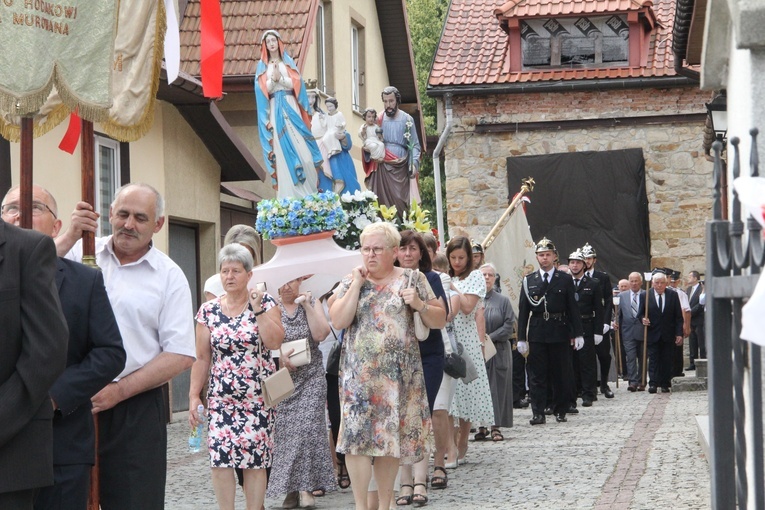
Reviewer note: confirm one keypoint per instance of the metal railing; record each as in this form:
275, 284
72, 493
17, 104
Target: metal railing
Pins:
734, 262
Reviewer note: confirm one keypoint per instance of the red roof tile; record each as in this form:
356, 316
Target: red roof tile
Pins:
244, 21
472, 35
525, 8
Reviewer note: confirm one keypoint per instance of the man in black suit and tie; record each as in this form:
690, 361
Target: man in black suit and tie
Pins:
33, 346
95, 357
630, 325
665, 330
696, 343
548, 315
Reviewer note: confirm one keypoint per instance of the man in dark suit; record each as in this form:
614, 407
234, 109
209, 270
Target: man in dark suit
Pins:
548, 315
33, 346
665, 330
631, 329
590, 303
696, 338
602, 349
95, 357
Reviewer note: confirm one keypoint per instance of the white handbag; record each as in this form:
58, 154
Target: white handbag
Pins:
421, 331
301, 354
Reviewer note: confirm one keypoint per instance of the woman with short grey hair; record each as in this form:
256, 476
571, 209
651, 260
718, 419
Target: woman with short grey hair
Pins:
235, 334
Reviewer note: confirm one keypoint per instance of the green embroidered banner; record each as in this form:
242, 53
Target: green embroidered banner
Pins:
68, 43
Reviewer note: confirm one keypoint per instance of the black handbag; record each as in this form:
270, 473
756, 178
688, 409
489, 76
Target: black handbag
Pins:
333, 358
454, 364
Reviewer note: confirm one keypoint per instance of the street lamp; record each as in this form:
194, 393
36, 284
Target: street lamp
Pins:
718, 112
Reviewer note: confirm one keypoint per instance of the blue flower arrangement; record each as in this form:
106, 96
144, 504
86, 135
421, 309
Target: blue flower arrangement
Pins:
283, 217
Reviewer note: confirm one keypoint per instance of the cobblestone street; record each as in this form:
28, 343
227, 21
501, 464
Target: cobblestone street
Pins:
635, 451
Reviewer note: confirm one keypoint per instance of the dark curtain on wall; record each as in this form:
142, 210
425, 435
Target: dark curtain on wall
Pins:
593, 197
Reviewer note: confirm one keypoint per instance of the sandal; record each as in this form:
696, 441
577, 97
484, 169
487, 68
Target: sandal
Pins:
481, 434
318, 493
496, 435
439, 481
420, 499
404, 500
343, 480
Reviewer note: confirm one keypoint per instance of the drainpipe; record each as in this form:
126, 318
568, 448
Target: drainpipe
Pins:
437, 168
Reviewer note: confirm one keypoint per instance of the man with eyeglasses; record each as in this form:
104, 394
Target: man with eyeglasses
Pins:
33, 345
95, 357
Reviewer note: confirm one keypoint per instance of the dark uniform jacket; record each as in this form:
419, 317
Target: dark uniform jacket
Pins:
563, 321
606, 294
590, 301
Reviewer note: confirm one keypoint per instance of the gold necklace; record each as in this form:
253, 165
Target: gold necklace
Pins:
228, 305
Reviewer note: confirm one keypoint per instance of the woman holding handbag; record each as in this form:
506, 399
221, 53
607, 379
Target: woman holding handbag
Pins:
383, 401
302, 460
413, 254
472, 402
234, 336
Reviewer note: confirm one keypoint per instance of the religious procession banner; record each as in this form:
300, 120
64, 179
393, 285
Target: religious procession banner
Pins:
67, 44
512, 253
134, 70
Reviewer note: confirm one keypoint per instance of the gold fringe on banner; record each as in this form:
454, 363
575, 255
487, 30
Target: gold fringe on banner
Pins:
136, 131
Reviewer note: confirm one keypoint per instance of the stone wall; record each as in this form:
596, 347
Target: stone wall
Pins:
679, 178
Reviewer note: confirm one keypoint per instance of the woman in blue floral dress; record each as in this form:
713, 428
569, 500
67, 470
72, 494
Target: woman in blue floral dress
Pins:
235, 334
472, 402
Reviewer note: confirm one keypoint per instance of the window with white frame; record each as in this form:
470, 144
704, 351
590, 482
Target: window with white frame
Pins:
356, 75
108, 178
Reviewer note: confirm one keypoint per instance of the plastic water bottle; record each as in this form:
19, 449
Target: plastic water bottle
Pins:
195, 437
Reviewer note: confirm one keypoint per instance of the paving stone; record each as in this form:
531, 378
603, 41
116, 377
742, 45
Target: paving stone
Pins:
636, 451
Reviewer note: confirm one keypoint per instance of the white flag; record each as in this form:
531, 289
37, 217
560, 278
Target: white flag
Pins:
512, 253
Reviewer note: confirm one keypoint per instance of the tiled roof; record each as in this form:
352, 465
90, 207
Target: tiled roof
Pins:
522, 8
473, 48
244, 21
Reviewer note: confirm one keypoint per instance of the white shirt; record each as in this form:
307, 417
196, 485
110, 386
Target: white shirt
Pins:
549, 274
684, 303
151, 301
663, 300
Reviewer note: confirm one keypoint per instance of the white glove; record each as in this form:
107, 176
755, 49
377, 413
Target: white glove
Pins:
579, 342
598, 339
606, 327
523, 347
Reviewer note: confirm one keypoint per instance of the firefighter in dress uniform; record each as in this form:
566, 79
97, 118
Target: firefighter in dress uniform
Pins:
548, 314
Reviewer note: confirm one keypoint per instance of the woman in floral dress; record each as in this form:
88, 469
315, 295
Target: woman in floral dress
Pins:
234, 336
472, 402
302, 459
384, 405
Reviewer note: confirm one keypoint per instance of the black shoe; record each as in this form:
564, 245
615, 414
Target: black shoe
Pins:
664, 389
525, 401
537, 419
548, 411
652, 389
571, 410
691, 367
586, 402
560, 417
632, 387
605, 390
